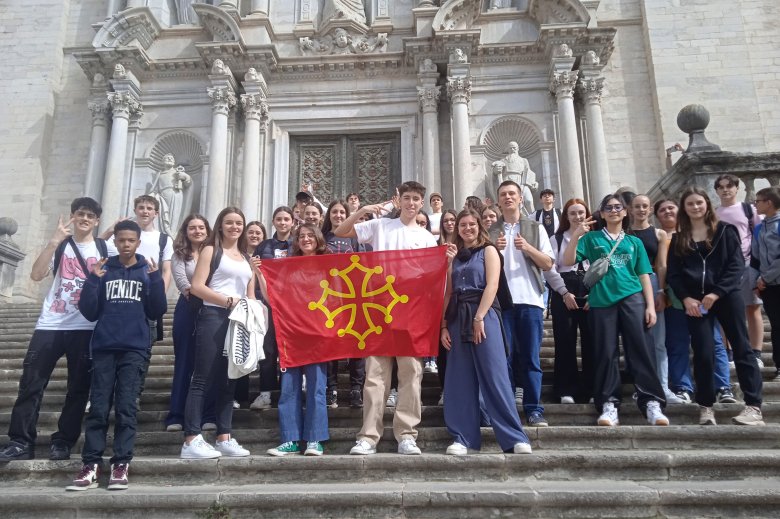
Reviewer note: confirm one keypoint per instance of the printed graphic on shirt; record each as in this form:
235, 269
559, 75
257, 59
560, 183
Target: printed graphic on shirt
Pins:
71, 282
280, 253
124, 290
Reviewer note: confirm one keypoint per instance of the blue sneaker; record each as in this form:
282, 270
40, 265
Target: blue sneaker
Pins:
536, 419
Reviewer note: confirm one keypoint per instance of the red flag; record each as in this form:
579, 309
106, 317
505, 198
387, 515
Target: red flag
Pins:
339, 306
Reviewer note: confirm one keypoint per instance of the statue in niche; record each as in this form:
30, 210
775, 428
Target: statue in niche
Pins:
218, 68
171, 188
341, 42
428, 65
344, 10
185, 13
458, 56
119, 72
516, 168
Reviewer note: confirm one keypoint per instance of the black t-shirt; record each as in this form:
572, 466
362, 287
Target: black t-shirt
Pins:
548, 220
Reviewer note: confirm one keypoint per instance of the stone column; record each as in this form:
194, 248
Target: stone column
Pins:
259, 7
96, 164
124, 103
112, 8
563, 84
591, 90
459, 92
255, 117
228, 5
428, 95
223, 100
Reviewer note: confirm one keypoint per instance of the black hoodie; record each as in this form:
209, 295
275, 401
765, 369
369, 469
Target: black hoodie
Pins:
122, 302
700, 272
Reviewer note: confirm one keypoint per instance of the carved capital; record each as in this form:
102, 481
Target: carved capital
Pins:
101, 110
591, 89
429, 98
123, 104
459, 89
563, 84
223, 99
254, 106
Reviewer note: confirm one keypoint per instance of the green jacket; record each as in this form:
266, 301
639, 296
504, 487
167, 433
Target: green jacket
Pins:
529, 230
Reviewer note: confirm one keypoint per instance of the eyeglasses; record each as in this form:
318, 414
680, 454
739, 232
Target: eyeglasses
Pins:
612, 207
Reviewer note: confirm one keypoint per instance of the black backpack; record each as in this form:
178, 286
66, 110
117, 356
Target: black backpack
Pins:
60, 250
162, 243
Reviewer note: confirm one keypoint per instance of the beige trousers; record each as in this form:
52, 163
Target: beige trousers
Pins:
408, 409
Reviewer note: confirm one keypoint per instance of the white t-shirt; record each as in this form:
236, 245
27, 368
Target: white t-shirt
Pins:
392, 234
60, 309
435, 219
521, 283
149, 248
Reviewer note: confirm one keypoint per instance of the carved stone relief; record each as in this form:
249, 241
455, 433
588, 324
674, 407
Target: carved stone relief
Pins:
342, 42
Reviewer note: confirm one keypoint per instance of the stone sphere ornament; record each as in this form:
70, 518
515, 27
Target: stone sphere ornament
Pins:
693, 120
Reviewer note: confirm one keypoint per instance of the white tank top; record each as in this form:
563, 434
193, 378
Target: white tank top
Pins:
231, 278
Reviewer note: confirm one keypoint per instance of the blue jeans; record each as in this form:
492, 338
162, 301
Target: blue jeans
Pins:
184, 364
523, 325
295, 422
115, 374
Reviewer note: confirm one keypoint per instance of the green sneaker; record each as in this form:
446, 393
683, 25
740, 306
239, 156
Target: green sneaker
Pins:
285, 449
313, 449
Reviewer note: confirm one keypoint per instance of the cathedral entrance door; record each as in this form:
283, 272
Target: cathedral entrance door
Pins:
367, 164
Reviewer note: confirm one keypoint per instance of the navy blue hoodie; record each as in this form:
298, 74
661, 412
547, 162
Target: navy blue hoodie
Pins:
121, 302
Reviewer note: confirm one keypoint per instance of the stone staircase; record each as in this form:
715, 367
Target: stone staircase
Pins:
577, 469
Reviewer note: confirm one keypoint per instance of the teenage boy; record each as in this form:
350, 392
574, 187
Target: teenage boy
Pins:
527, 252
766, 261
548, 215
121, 294
353, 202
436, 212
400, 233
61, 330
745, 218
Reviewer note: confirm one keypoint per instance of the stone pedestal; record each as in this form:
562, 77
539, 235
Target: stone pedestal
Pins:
10, 256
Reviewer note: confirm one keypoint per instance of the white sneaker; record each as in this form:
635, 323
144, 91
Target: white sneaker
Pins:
408, 446
174, 427
441, 399
609, 415
428, 368
434, 367
521, 448
209, 426
199, 449
671, 398
519, 396
567, 399
263, 401
654, 414
231, 448
457, 449
706, 416
392, 398
236, 405
362, 448
759, 362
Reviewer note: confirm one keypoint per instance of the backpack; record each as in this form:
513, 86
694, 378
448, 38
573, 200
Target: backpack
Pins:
60, 250
748, 210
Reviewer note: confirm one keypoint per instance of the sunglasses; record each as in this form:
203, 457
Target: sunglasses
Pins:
612, 207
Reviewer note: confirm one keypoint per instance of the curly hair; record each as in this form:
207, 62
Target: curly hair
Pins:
182, 246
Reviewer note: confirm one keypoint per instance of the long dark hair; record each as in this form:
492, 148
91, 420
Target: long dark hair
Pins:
482, 235
685, 243
182, 246
322, 246
445, 238
626, 223
215, 238
327, 226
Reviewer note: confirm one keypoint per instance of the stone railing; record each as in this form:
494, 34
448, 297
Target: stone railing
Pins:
10, 256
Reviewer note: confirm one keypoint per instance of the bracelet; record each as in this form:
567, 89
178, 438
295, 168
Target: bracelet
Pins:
479, 319
229, 303
443, 327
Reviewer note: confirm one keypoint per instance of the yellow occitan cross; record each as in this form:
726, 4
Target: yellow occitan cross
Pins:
365, 306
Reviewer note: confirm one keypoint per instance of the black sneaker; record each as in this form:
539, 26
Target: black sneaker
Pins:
16, 451
331, 399
356, 399
59, 451
685, 396
725, 396
536, 419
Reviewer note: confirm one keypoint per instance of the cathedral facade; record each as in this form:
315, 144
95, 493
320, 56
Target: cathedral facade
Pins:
254, 98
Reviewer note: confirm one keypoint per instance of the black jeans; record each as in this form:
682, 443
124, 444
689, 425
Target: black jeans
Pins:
567, 380
117, 375
357, 374
771, 298
269, 373
626, 317
45, 349
729, 310
211, 371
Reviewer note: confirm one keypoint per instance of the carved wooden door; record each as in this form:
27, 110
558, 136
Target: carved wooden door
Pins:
338, 165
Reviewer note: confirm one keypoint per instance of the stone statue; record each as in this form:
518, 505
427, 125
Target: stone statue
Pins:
427, 65
185, 13
171, 188
344, 10
341, 42
218, 68
458, 56
516, 168
119, 72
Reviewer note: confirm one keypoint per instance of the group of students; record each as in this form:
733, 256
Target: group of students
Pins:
689, 274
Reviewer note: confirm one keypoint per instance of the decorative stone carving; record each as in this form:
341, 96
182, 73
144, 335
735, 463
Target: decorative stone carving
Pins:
458, 56
100, 111
343, 43
693, 120
119, 72
516, 168
135, 26
10, 256
171, 188
98, 80
457, 15
252, 75
218, 22
373, 169
218, 68
510, 128
123, 104
459, 89
352, 10
429, 98
254, 106
563, 51
427, 65
563, 83
223, 99
591, 58
591, 89
500, 4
